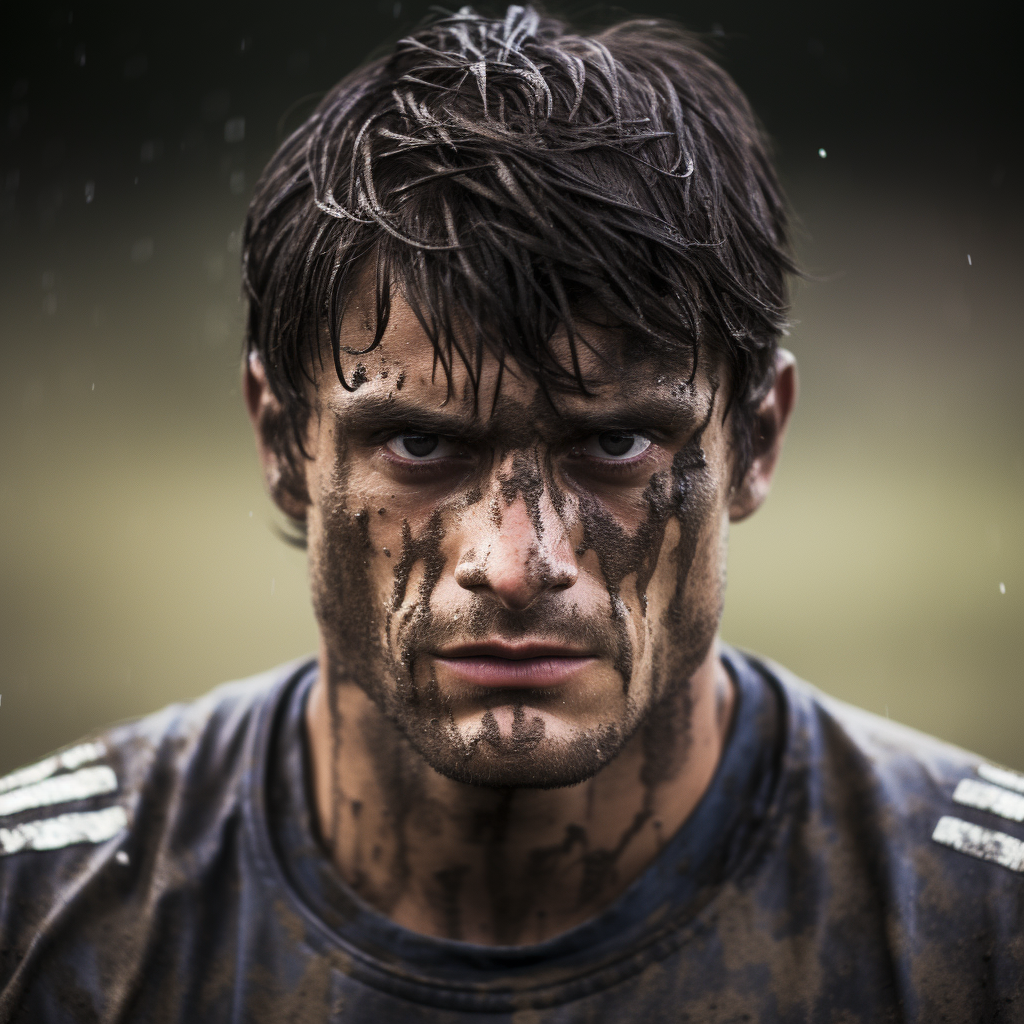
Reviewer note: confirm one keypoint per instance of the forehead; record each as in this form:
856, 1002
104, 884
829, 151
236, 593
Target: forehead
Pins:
404, 374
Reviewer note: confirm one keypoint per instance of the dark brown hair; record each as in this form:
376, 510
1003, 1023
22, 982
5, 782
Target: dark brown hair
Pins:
505, 173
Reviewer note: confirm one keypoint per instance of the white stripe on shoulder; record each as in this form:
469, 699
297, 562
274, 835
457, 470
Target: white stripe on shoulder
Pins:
64, 830
60, 789
993, 799
1002, 777
70, 759
983, 843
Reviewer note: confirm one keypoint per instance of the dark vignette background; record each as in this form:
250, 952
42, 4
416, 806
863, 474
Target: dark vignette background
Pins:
139, 564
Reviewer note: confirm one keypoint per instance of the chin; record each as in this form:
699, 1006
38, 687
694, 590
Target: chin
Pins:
543, 770
517, 748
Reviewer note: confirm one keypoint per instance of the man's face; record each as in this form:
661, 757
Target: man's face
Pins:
518, 585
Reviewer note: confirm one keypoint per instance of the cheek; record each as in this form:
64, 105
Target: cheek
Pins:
686, 589
652, 637
341, 566
701, 581
387, 570
349, 570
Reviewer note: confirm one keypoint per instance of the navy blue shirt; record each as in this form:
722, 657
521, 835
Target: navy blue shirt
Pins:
839, 867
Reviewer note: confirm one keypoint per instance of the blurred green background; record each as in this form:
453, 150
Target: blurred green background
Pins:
138, 556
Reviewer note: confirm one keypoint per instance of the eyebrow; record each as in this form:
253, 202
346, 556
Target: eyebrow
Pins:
377, 413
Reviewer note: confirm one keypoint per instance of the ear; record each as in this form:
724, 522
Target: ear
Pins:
769, 430
282, 464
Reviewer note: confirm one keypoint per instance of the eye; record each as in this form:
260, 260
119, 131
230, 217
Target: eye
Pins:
613, 445
423, 447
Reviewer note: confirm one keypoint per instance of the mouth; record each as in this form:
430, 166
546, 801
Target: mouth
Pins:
513, 665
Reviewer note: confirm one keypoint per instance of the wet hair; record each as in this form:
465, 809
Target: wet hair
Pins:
507, 175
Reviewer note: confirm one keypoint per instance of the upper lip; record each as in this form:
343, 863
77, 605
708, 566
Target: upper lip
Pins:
513, 652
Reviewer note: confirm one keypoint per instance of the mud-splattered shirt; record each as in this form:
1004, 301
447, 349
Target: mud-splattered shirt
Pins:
839, 868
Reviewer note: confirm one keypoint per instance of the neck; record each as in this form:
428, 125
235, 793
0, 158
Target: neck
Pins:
503, 867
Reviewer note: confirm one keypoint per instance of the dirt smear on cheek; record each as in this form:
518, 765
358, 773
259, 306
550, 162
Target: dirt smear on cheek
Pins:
688, 623
410, 628
426, 548
621, 554
340, 553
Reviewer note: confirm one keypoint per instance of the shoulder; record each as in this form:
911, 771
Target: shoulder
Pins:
909, 772
935, 832
900, 856
138, 806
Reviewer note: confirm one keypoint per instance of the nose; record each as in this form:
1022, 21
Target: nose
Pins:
520, 558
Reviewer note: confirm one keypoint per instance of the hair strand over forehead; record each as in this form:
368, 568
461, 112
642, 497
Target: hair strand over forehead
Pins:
510, 176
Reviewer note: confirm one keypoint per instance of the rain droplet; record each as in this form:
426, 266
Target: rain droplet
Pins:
1002, 588
121, 857
90, 191
821, 153
969, 260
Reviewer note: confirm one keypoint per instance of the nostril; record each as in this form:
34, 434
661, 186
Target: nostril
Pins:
549, 573
564, 578
470, 576
471, 571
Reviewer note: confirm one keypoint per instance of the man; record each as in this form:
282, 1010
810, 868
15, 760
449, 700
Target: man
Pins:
512, 365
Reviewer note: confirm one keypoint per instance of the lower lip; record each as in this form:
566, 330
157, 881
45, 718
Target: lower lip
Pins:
525, 672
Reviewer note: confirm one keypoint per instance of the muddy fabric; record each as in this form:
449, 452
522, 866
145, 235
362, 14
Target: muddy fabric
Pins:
169, 870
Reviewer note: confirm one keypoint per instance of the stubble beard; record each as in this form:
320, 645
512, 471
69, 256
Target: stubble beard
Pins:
502, 741
468, 746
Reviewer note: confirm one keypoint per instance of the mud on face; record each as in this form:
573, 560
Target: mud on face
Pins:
645, 597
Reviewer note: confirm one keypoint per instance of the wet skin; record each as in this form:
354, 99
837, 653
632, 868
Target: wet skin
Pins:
519, 697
